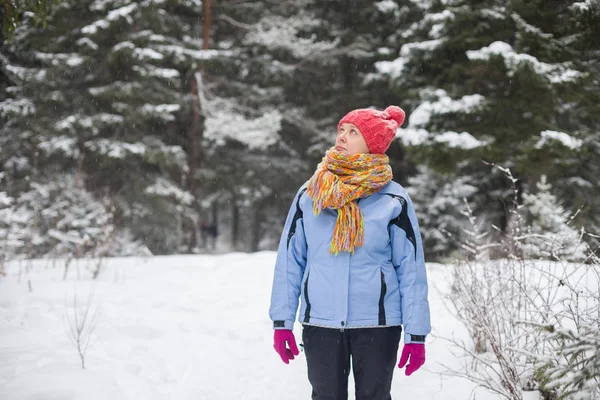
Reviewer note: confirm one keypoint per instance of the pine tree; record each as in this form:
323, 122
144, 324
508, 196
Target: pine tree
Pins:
550, 234
103, 91
440, 201
10, 10
494, 81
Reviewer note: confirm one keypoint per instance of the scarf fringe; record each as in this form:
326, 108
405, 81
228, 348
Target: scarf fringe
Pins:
337, 182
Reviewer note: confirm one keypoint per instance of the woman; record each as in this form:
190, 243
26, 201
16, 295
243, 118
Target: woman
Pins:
351, 251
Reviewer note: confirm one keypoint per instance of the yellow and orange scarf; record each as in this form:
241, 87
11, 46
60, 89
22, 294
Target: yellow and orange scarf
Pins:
338, 181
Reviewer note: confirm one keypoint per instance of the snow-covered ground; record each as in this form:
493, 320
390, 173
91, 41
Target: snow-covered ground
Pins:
179, 327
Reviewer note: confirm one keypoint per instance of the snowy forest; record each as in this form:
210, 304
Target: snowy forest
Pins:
128, 126
174, 127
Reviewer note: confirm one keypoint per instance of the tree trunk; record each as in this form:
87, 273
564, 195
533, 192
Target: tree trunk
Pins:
207, 23
80, 160
197, 131
194, 154
256, 227
235, 224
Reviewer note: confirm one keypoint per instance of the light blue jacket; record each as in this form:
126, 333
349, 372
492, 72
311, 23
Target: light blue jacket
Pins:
384, 283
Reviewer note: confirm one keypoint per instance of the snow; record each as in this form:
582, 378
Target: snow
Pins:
530, 29
112, 16
439, 22
417, 136
56, 59
27, 74
563, 138
106, 118
434, 22
93, 28
585, 6
18, 163
178, 327
412, 136
147, 54
164, 73
193, 3
100, 5
125, 88
258, 133
70, 123
64, 144
462, 140
20, 107
437, 102
275, 32
76, 123
69, 237
182, 54
427, 45
121, 12
495, 13
115, 149
164, 188
161, 111
555, 73
386, 6
87, 42
444, 104
5, 201
141, 54
124, 45
395, 68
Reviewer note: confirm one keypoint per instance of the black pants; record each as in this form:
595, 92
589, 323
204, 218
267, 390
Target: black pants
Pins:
373, 352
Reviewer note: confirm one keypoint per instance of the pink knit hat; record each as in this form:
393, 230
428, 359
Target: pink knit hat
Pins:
377, 127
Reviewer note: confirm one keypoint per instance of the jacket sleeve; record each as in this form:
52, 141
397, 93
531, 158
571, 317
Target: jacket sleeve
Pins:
289, 268
409, 262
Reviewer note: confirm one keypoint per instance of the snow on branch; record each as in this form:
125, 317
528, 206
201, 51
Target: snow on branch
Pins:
154, 72
84, 123
164, 188
533, 316
554, 73
60, 144
182, 54
60, 59
386, 6
415, 134
22, 74
560, 137
163, 112
114, 15
275, 32
16, 107
223, 123
395, 68
585, 6
115, 149
463, 140
444, 104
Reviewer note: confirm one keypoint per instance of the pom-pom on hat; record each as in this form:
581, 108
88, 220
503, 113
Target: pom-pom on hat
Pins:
377, 127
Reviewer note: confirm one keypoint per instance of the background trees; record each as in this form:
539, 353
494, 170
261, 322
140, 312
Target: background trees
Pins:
126, 104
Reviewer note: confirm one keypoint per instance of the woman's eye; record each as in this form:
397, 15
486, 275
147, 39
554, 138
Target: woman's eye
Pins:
353, 132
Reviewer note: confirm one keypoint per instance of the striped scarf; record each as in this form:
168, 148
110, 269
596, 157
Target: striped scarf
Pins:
340, 179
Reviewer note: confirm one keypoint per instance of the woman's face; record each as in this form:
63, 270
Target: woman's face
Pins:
350, 140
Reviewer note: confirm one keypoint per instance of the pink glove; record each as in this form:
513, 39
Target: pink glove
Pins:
280, 338
416, 352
